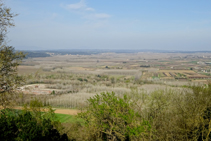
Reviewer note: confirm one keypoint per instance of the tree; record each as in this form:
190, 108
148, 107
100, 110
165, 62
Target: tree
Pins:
9, 60
6, 20
112, 118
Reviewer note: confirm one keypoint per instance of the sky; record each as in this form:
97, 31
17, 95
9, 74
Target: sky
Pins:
180, 25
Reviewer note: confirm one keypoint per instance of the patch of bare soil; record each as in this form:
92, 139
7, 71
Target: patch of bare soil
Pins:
36, 89
60, 111
67, 111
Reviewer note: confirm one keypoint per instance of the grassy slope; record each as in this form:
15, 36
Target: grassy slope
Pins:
63, 118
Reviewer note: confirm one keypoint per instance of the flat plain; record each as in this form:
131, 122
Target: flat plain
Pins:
67, 81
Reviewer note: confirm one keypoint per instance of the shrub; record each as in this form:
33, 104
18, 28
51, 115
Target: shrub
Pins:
80, 79
181, 115
24, 126
53, 92
109, 117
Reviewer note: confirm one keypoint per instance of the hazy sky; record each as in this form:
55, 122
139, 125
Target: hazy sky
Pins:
111, 24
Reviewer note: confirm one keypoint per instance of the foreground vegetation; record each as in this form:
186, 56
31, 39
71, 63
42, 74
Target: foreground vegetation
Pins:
160, 115
33, 123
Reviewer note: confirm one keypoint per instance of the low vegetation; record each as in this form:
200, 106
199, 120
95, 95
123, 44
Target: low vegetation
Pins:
30, 124
160, 115
113, 118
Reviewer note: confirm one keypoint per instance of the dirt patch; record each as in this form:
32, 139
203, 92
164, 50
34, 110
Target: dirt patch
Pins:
67, 111
177, 71
27, 69
36, 89
60, 111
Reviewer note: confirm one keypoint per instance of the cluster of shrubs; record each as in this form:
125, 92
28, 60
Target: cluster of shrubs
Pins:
32, 123
24, 126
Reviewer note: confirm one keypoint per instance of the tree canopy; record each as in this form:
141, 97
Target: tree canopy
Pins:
6, 20
9, 60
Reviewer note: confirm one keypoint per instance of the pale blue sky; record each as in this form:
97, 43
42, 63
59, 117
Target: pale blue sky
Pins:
111, 24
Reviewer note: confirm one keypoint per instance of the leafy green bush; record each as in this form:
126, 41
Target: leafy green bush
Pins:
109, 117
24, 126
80, 79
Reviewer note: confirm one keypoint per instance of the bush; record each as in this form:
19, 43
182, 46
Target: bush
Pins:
80, 79
176, 115
24, 126
109, 117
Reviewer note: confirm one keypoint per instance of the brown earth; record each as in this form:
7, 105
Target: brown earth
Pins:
61, 111
67, 111
27, 69
177, 71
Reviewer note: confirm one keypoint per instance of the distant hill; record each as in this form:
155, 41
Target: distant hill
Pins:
48, 53
33, 54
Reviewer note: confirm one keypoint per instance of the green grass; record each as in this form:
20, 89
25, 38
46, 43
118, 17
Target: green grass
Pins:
63, 118
192, 62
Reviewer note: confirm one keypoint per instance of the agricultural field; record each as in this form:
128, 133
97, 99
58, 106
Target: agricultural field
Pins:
67, 81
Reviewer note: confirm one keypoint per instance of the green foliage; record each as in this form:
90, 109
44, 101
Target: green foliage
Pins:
80, 79
53, 92
9, 60
198, 107
40, 112
25, 126
178, 115
6, 20
112, 80
9, 79
34, 122
85, 80
112, 118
